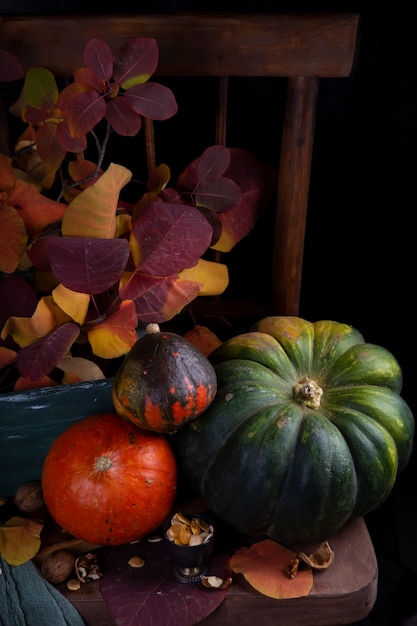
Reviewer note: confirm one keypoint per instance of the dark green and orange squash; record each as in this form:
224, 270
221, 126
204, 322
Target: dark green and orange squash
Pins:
308, 429
164, 382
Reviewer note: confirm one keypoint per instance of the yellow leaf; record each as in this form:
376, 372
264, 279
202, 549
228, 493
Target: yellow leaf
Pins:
214, 277
71, 302
27, 330
116, 335
123, 224
20, 539
225, 242
78, 369
263, 565
93, 212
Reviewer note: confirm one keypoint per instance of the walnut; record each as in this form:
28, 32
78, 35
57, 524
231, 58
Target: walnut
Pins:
58, 566
29, 497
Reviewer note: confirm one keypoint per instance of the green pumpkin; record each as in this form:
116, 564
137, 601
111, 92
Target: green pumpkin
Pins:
307, 430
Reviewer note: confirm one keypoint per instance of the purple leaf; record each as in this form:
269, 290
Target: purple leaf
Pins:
87, 265
139, 57
84, 111
99, 59
122, 118
150, 596
159, 298
152, 100
213, 162
170, 237
41, 357
217, 194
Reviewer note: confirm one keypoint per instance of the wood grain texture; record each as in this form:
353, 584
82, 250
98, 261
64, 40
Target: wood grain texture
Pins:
195, 44
342, 594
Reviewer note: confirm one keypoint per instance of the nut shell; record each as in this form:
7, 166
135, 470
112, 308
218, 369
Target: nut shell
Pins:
58, 566
29, 497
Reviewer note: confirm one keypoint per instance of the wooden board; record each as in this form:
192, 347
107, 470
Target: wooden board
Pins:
30, 421
342, 594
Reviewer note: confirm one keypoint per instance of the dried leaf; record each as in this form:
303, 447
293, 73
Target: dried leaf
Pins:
203, 338
263, 565
20, 539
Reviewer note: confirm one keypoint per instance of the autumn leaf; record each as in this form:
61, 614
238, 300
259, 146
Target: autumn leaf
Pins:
93, 212
13, 238
87, 264
203, 338
27, 330
157, 298
263, 565
36, 210
116, 335
20, 539
7, 356
24, 384
78, 369
73, 303
41, 357
214, 277
168, 238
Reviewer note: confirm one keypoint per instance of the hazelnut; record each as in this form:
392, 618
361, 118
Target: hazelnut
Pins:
58, 566
29, 497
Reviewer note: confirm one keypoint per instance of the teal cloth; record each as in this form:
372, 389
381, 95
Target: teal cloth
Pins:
27, 599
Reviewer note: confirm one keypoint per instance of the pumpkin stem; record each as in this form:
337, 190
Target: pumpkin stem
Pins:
308, 392
103, 463
152, 328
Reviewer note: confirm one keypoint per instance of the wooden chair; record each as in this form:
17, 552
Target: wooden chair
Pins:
300, 49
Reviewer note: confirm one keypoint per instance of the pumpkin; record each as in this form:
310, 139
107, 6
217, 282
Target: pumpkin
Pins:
107, 481
164, 382
307, 430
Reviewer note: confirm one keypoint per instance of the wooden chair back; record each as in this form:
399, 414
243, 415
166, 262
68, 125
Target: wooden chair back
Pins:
301, 48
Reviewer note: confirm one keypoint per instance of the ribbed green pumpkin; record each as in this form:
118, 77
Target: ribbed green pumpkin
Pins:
307, 430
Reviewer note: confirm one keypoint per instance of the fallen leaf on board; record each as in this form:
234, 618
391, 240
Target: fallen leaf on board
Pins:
263, 565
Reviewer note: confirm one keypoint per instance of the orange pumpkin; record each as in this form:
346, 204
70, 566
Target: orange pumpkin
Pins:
107, 481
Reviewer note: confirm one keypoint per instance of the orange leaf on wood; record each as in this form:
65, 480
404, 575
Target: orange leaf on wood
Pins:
263, 565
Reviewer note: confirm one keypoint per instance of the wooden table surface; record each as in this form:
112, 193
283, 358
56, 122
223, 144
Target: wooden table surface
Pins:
342, 594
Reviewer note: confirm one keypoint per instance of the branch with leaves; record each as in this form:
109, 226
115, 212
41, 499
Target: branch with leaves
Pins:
88, 266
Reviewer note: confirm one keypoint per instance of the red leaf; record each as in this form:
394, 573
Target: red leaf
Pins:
150, 595
40, 357
36, 210
169, 237
158, 299
99, 59
204, 179
87, 265
84, 111
17, 297
138, 58
152, 100
122, 117
257, 183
